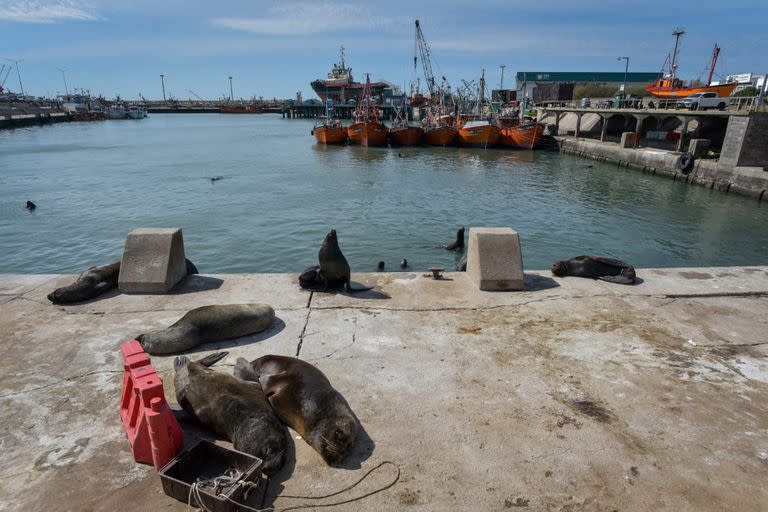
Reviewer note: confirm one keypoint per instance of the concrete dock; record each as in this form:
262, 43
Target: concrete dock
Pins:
571, 395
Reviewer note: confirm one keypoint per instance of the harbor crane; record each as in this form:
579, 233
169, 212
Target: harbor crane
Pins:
195, 94
426, 64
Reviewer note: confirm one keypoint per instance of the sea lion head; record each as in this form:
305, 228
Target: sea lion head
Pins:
334, 436
560, 268
266, 441
330, 238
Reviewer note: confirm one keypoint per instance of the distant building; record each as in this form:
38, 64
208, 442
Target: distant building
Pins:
532, 79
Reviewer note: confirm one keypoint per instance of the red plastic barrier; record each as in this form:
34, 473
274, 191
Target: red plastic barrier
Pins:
153, 432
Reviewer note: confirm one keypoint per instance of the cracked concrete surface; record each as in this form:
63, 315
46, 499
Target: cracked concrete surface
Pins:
572, 395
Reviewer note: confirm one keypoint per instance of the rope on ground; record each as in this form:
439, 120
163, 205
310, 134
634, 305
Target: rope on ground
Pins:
232, 476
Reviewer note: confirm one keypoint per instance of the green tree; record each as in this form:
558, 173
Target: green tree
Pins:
747, 91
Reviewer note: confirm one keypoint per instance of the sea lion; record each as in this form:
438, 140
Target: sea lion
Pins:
310, 278
404, 263
596, 267
31, 206
305, 400
459, 243
233, 408
380, 266
94, 282
334, 268
207, 324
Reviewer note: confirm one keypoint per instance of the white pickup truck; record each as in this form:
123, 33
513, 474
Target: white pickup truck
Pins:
703, 101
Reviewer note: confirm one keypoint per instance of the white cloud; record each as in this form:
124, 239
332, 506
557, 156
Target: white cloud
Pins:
304, 18
31, 11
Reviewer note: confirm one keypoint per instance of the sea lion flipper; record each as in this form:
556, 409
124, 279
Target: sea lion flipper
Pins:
244, 370
191, 268
620, 279
212, 359
180, 361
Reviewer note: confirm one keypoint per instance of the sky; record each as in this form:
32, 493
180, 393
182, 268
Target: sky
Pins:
276, 48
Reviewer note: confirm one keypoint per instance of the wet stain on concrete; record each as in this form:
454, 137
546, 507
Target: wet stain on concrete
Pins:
695, 275
593, 410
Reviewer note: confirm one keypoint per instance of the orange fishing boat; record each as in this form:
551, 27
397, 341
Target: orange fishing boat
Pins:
439, 135
367, 130
670, 86
522, 136
331, 131
405, 135
480, 134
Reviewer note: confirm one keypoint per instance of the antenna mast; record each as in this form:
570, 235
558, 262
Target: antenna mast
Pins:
678, 33
715, 55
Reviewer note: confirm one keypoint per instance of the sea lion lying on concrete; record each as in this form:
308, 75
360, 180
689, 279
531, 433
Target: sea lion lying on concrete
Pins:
94, 282
233, 408
304, 399
207, 324
333, 271
596, 267
458, 243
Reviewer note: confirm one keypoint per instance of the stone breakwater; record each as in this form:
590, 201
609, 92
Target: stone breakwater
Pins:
747, 181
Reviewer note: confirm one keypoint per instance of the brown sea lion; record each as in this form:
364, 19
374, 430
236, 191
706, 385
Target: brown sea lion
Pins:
94, 282
304, 399
334, 268
207, 324
458, 243
596, 267
233, 408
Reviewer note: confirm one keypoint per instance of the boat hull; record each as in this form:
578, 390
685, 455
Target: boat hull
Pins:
330, 134
441, 136
479, 136
406, 136
682, 92
522, 136
367, 134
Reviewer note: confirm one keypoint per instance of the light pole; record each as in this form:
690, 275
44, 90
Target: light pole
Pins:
162, 81
16, 62
626, 68
64, 76
231, 95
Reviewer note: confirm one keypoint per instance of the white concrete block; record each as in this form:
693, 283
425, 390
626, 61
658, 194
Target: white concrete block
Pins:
494, 259
153, 260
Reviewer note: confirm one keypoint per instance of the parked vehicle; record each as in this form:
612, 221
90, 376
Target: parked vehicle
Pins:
703, 101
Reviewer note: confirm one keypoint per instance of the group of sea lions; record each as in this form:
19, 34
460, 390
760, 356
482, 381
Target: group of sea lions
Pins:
252, 407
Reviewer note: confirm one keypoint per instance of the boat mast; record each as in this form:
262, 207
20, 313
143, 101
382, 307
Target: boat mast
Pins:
678, 33
715, 54
481, 95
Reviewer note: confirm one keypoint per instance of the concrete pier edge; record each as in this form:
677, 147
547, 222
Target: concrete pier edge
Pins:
745, 181
573, 394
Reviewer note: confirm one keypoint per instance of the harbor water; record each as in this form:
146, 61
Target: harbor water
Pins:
280, 192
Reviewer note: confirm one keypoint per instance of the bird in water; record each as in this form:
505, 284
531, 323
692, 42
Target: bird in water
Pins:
214, 179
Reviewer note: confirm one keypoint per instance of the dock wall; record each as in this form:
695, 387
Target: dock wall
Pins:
21, 120
747, 181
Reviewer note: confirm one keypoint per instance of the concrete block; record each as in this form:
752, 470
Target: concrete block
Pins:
699, 147
494, 259
628, 140
153, 260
